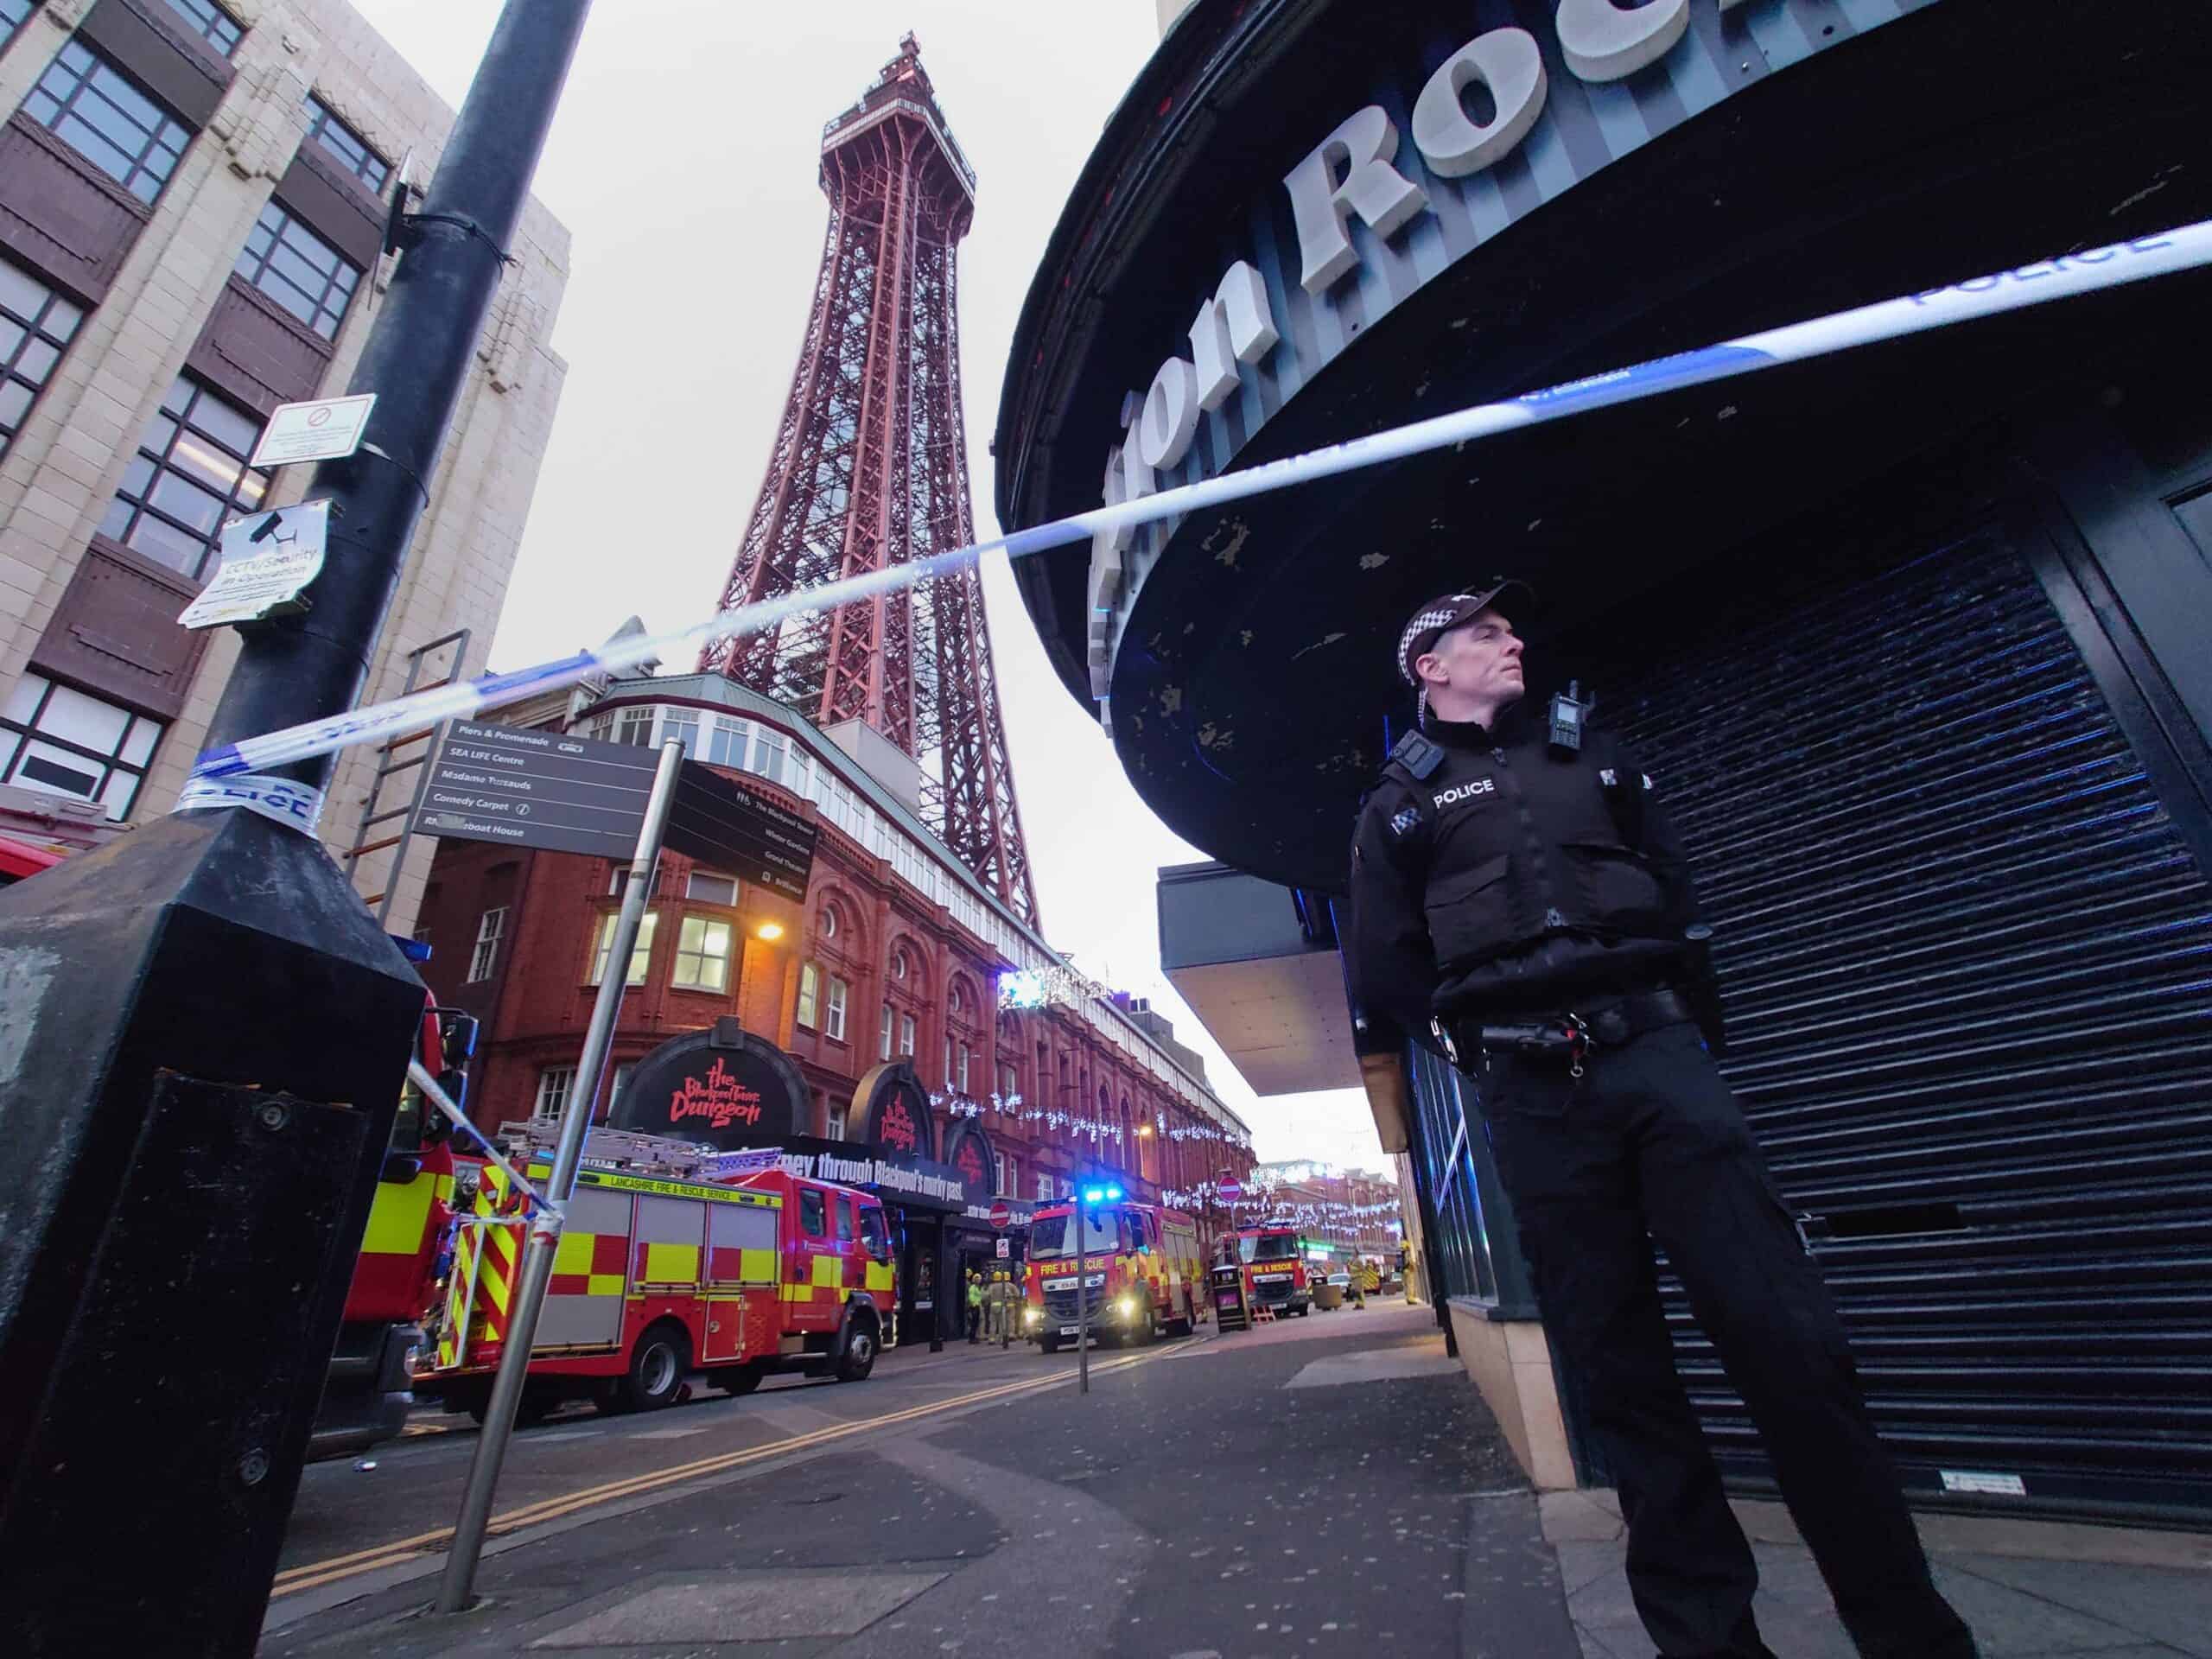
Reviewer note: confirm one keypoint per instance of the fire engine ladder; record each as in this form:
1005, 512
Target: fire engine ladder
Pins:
623, 1149
404, 753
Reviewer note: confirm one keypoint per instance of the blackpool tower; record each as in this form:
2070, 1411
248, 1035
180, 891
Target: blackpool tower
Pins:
870, 469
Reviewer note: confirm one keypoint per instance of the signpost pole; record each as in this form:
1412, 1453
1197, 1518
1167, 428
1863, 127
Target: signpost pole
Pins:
455, 1588
1082, 1293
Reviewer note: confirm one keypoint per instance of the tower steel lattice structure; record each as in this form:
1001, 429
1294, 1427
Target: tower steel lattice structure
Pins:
870, 469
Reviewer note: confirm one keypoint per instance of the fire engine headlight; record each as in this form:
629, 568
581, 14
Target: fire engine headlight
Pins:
1127, 1307
1032, 1316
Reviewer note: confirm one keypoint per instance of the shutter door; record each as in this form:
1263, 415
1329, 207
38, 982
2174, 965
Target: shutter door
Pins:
1968, 965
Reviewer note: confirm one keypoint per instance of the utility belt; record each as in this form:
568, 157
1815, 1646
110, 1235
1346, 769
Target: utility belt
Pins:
1598, 1022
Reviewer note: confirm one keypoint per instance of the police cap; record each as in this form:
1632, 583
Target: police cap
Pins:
1442, 614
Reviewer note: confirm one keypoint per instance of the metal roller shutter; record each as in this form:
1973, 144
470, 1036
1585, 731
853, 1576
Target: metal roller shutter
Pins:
1968, 965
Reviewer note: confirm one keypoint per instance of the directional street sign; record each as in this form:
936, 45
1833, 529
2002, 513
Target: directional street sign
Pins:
542, 790
728, 828
269, 558
327, 428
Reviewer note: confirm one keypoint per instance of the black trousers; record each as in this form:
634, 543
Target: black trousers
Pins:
1650, 1144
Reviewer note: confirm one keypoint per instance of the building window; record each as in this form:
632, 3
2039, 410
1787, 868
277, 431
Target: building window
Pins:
36, 324
948, 1060
553, 1084
837, 1123
885, 1053
210, 22
834, 1025
635, 728
189, 474
825, 922
298, 269
619, 883
59, 741
809, 995
999, 1188
640, 953
92, 106
681, 727
964, 1056
13, 15
905, 1034
702, 955
707, 888
1045, 1187
899, 966
347, 146
489, 928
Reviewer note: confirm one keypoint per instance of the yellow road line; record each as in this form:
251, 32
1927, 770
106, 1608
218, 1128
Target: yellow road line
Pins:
314, 1574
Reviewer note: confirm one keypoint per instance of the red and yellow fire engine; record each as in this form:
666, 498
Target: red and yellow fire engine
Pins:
1143, 1273
665, 1264
366, 1395
1277, 1273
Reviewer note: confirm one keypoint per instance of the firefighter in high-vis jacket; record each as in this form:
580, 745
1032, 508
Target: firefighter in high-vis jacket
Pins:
1519, 901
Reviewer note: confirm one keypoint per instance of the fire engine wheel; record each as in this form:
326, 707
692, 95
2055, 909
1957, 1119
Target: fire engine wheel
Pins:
657, 1367
739, 1379
856, 1355
1050, 1341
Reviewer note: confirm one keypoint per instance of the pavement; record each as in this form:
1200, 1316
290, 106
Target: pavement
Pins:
1329, 1485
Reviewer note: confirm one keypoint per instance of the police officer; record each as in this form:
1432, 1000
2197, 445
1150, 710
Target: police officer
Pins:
1519, 899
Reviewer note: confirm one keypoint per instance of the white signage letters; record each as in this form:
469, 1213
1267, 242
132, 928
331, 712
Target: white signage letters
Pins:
1320, 202
1354, 170
1236, 324
1507, 62
1601, 42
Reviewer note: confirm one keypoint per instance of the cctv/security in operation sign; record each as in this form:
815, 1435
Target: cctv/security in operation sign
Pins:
269, 559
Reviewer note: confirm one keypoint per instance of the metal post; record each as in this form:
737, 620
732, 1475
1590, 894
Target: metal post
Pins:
455, 1588
1082, 1293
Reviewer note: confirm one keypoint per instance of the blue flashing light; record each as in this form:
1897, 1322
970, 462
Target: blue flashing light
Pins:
1101, 1194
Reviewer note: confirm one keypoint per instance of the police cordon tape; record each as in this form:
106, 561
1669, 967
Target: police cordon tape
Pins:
2187, 247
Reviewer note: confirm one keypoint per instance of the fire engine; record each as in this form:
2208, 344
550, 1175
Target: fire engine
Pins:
1277, 1273
365, 1396
1143, 1273
666, 1264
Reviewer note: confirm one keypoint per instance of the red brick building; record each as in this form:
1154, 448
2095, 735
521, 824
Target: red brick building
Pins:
898, 951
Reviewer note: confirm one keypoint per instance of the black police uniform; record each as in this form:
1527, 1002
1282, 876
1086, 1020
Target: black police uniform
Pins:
1505, 888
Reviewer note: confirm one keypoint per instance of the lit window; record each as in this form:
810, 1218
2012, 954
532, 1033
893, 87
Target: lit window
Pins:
340, 141
188, 476
702, 955
905, 1034
810, 995
36, 323
298, 269
640, 953
96, 109
59, 741
553, 1083
707, 888
489, 928
834, 1025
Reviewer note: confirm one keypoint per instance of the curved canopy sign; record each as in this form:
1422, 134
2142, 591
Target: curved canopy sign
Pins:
724, 1087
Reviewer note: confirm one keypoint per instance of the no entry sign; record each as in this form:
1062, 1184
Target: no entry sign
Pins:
1002, 1217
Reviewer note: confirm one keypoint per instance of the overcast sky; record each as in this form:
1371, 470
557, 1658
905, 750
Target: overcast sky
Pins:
684, 163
